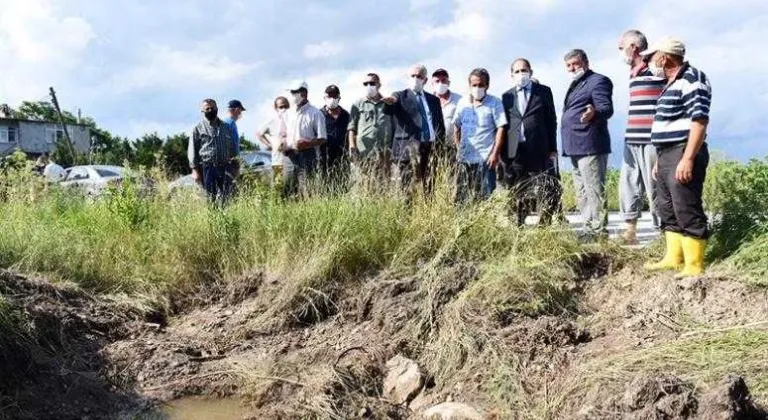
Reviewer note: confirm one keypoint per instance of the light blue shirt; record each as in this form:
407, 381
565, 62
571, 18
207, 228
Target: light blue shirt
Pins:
478, 124
523, 95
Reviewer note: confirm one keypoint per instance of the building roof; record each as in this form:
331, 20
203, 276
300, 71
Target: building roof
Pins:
2, 120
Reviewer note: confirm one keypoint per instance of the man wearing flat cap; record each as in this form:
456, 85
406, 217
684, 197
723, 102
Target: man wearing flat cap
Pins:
679, 133
305, 134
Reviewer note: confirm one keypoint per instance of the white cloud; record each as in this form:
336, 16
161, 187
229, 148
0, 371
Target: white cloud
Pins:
163, 66
325, 49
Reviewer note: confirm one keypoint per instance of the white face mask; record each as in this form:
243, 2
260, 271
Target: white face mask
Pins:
297, 98
441, 88
416, 84
521, 79
625, 57
657, 71
372, 90
477, 92
577, 74
281, 111
332, 103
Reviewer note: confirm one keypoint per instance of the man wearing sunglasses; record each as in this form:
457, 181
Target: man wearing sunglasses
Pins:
370, 134
419, 124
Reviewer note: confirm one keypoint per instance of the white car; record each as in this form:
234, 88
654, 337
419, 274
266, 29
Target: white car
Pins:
93, 179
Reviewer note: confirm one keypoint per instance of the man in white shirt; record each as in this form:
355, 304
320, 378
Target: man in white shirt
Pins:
274, 133
305, 133
449, 101
480, 123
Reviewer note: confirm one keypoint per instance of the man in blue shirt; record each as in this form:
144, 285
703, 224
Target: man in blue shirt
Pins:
235, 111
480, 122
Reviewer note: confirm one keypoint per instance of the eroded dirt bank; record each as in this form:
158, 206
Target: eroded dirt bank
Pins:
86, 357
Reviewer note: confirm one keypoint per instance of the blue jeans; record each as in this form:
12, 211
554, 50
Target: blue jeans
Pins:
217, 181
474, 181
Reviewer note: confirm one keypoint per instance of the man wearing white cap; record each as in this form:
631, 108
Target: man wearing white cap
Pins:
306, 132
679, 133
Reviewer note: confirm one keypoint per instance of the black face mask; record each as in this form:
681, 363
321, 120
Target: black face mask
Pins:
211, 115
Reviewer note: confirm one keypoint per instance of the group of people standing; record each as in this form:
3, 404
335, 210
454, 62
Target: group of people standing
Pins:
482, 139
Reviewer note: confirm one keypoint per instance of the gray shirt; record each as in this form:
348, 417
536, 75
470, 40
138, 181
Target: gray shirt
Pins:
372, 124
211, 144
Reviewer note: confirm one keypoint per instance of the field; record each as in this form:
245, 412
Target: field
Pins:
111, 306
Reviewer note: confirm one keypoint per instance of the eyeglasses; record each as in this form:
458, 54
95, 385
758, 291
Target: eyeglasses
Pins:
369, 83
415, 76
518, 71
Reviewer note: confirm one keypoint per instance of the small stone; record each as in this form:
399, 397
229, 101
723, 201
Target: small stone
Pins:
403, 381
452, 411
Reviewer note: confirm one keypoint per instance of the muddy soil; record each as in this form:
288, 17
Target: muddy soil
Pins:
102, 358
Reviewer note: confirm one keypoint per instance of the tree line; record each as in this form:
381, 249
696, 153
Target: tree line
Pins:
149, 151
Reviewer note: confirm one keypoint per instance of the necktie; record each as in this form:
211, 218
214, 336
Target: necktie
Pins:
522, 104
424, 121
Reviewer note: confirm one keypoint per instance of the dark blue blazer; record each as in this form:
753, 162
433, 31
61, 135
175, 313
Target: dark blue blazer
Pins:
591, 138
407, 122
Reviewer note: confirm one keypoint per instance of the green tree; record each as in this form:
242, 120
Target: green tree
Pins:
175, 160
147, 149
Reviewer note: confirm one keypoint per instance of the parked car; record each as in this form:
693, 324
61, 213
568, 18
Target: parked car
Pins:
258, 164
94, 179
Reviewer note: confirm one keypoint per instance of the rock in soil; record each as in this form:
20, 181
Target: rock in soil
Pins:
730, 401
452, 411
403, 381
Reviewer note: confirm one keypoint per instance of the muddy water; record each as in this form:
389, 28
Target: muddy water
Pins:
204, 409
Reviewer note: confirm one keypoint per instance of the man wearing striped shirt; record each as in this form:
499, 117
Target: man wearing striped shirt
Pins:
639, 155
679, 133
211, 152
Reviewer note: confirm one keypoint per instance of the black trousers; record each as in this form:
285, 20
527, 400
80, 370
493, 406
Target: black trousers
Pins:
417, 167
532, 188
679, 206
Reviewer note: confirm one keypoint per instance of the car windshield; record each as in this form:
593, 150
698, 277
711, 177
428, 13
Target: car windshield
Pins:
107, 173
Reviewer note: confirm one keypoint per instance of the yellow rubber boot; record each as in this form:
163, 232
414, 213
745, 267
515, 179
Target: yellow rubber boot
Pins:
693, 251
673, 259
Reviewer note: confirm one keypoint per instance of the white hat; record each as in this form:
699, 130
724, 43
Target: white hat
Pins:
293, 87
666, 45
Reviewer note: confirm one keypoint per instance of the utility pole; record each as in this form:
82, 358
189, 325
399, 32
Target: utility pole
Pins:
63, 125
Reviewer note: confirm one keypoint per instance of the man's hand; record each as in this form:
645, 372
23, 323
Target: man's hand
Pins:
493, 160
655, 171
389, 100
303, 144
196, 176
588, 115
684, 171
354, 153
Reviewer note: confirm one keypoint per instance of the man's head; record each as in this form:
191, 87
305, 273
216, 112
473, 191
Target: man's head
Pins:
479, 80
332, 96
665, 57
417, 77
521, 72
576, 63
441, 81
281, 104
372, 84
299, 92
235, 109
209, 109
631, 44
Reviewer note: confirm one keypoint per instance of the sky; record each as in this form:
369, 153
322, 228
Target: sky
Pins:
143, 66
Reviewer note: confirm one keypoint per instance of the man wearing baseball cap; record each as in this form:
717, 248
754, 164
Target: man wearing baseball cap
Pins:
235, 112
333, 153
306, 133
679, 133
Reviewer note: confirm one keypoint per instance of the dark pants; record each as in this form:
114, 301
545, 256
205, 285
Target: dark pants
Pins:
533, 188
474, 182
417, 165
218, 182
679, 206
298, 169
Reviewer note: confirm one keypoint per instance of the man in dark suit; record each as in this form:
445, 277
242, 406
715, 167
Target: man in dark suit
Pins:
530, 151
418, 124
584, 130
